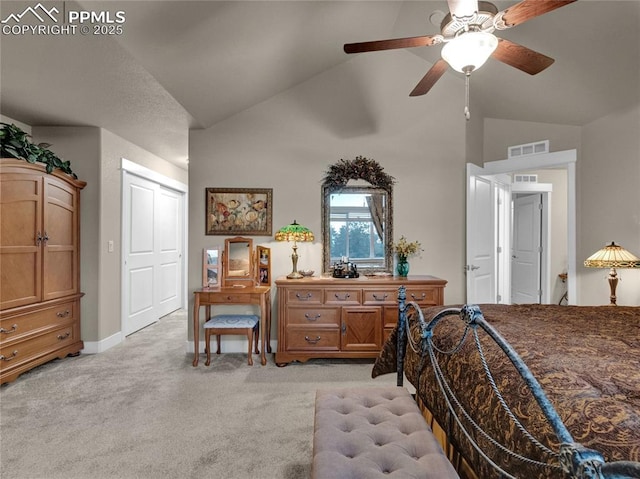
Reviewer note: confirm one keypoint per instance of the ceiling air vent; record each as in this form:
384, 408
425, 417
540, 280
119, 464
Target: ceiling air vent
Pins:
525, 178
529, 149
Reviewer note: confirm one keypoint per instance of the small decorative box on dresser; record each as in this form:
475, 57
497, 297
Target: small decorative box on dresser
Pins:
40, 258
344, 318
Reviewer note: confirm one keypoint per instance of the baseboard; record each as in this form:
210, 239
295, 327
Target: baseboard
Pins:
228, 345
95, 347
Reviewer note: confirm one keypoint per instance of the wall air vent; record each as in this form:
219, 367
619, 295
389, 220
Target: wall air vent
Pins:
535, 148
525, 178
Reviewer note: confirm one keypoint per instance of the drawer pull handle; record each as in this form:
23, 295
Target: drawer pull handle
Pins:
64, 336
344, 298
63, 314
312, 341
310, 318
304, 298
424, 295
13, 355
378, 298
13, 329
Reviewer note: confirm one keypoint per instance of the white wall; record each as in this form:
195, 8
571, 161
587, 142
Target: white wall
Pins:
95, 155
288, 142
609, 201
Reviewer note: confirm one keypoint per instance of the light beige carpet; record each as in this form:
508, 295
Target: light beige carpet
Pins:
140, 410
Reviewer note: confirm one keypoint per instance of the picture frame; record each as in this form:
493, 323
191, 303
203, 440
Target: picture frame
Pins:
238, 211
263, 261
211, 264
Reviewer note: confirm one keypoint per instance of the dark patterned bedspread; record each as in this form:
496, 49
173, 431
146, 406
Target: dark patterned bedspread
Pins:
587, 360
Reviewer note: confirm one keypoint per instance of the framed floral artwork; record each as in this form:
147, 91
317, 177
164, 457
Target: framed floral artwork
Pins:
238, 211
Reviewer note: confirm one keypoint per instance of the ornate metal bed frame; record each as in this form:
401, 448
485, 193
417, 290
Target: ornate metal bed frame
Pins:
577, 461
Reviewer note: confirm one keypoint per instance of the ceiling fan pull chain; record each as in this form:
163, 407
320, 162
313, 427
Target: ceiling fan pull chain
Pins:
467, 113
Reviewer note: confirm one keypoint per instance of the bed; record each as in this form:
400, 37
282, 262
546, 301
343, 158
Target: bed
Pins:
525, 391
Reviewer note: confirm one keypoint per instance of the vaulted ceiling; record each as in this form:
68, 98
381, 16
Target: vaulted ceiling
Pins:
191, 64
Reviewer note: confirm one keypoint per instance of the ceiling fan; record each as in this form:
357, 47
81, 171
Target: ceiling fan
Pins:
467, 34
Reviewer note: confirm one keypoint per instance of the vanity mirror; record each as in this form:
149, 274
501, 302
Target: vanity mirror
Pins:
238, 262
357, 220
211, 267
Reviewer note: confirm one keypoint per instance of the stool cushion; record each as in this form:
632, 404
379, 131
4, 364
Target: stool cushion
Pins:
367, 433
232, 321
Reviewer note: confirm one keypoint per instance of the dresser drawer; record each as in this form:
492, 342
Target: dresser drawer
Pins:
380, 296
343, 296
313, 339
312, 316
19, 352
306, 296
21, 326
425, 296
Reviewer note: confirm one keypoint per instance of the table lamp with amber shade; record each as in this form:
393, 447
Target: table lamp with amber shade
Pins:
612, 256
294, 232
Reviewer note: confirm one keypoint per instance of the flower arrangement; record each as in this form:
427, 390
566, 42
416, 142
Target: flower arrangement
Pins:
404, 249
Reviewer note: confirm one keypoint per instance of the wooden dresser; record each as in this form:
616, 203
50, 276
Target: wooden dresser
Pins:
344, 318
40, 273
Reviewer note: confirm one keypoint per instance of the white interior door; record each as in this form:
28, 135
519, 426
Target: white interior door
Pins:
488, 225
526, 249
480, 268
170, 238
153, 237
139, 253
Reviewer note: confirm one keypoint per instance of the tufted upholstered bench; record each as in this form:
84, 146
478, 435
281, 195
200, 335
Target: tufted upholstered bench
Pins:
374, 432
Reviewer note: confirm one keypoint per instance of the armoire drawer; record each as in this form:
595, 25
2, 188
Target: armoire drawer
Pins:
21, 326
19, 352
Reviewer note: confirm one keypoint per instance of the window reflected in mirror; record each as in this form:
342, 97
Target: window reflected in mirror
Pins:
357, 227
238, 262
211, 267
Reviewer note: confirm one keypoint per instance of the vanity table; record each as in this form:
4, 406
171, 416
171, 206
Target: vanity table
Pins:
260, 295
322, 317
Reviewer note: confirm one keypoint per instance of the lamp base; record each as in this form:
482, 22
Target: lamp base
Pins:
294, 275
613, 282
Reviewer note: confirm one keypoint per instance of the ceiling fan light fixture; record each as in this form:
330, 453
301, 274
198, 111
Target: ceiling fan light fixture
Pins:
469, 51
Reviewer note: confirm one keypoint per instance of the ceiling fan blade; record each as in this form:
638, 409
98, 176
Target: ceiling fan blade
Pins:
423, 41
528, 9
432, 76
520, 57
462, 8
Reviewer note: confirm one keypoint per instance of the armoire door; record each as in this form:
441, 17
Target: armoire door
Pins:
59, 240
21, 250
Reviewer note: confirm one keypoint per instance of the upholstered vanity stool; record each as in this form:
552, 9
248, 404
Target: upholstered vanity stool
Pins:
232, 324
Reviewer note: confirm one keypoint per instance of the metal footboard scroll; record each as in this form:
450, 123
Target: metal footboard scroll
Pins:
570, 459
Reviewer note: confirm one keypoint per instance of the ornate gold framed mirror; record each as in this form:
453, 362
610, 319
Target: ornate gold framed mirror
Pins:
357, 220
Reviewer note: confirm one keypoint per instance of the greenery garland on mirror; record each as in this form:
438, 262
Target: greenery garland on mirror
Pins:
360, 168
14, 143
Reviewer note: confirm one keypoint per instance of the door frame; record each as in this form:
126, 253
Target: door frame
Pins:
559, 159
129, 167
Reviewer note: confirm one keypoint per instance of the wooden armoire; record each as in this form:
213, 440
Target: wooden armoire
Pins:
39, 266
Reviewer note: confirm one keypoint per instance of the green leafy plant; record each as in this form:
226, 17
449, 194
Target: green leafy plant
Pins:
15, 143
360, 168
